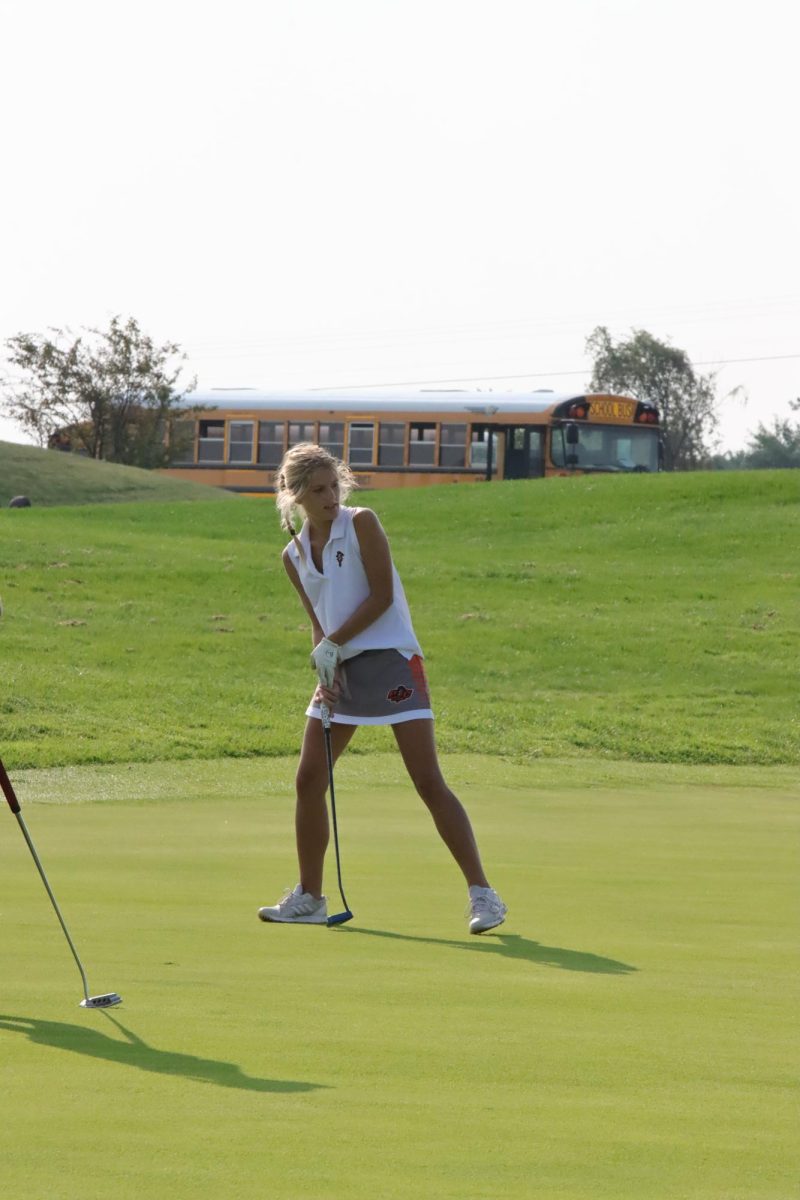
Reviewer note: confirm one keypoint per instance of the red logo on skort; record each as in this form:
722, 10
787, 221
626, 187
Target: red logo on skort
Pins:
399, 694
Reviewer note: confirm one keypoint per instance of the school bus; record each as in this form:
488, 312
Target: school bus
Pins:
236, 439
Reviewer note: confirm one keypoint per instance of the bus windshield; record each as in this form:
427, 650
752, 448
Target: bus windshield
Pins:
606, 448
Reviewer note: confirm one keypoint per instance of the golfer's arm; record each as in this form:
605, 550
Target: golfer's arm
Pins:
377, 559
317, 633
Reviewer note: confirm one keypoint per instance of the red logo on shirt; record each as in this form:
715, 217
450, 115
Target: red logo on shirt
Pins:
399, 694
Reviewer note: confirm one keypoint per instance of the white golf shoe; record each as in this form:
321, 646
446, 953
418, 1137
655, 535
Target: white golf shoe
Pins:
486, 909
297, 908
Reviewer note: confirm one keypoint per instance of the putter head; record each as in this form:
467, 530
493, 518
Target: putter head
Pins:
107, 1001
340, 918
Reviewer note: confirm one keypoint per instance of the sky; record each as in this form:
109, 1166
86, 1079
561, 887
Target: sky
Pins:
342, 193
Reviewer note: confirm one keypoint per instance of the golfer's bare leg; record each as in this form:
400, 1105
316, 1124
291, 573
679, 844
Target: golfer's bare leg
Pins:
418, 748
311, 812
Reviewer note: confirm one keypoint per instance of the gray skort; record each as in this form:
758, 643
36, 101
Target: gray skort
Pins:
380, 687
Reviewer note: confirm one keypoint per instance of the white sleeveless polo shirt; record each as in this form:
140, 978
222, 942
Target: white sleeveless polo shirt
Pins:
343, 586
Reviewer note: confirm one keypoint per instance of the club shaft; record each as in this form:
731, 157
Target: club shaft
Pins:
326, 729
53, 900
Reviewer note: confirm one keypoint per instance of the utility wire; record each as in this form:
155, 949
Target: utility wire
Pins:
376, 338
706, 362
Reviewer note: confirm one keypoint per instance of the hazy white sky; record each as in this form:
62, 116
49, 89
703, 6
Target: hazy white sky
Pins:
314, 193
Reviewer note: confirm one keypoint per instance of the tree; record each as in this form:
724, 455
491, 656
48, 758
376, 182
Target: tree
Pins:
654, 371
112, 394
729, 460
778, 446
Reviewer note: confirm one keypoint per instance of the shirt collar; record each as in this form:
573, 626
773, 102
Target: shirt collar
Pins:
338, 530
339, 526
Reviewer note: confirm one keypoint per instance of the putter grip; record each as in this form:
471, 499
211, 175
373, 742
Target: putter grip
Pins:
8, 791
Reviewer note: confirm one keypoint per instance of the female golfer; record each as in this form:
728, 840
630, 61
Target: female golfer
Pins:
370, 669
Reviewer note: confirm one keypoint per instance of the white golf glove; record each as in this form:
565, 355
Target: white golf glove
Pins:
324, 660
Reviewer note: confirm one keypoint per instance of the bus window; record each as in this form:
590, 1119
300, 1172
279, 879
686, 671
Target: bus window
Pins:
211, 442
421, 445
301, 431
362, 440
331, 437
270, 442
536, 453
606, 448
641, 453
240, 441
453, 446
181, 442
478, 446
391, 443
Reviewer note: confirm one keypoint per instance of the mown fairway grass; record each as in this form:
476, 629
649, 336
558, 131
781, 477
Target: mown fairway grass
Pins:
624, 1035
647, 618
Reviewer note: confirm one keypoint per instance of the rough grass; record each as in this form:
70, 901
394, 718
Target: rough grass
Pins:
49, 477
642, 618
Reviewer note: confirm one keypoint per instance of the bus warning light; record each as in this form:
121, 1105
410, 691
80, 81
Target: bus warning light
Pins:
579, 411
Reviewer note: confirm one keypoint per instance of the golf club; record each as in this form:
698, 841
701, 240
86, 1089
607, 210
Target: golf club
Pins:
337, 918
110, 998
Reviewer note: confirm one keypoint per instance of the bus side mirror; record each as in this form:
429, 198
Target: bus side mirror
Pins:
573, 435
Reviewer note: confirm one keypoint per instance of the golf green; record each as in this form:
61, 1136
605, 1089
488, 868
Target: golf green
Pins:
623, 1035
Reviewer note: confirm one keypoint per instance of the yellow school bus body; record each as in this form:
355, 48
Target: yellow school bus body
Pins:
235, 439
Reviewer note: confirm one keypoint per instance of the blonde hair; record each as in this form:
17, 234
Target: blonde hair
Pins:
294, 476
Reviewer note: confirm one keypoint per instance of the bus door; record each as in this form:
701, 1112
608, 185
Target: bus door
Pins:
524, 452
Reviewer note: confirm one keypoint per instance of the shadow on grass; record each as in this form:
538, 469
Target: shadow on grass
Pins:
511, 945
135, 1053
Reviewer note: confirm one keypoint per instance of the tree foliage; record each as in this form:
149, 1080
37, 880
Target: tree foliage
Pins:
654, 371
112, 394
778, 446
729, 460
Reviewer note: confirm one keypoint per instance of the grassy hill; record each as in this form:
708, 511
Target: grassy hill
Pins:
49, 477
644, 618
